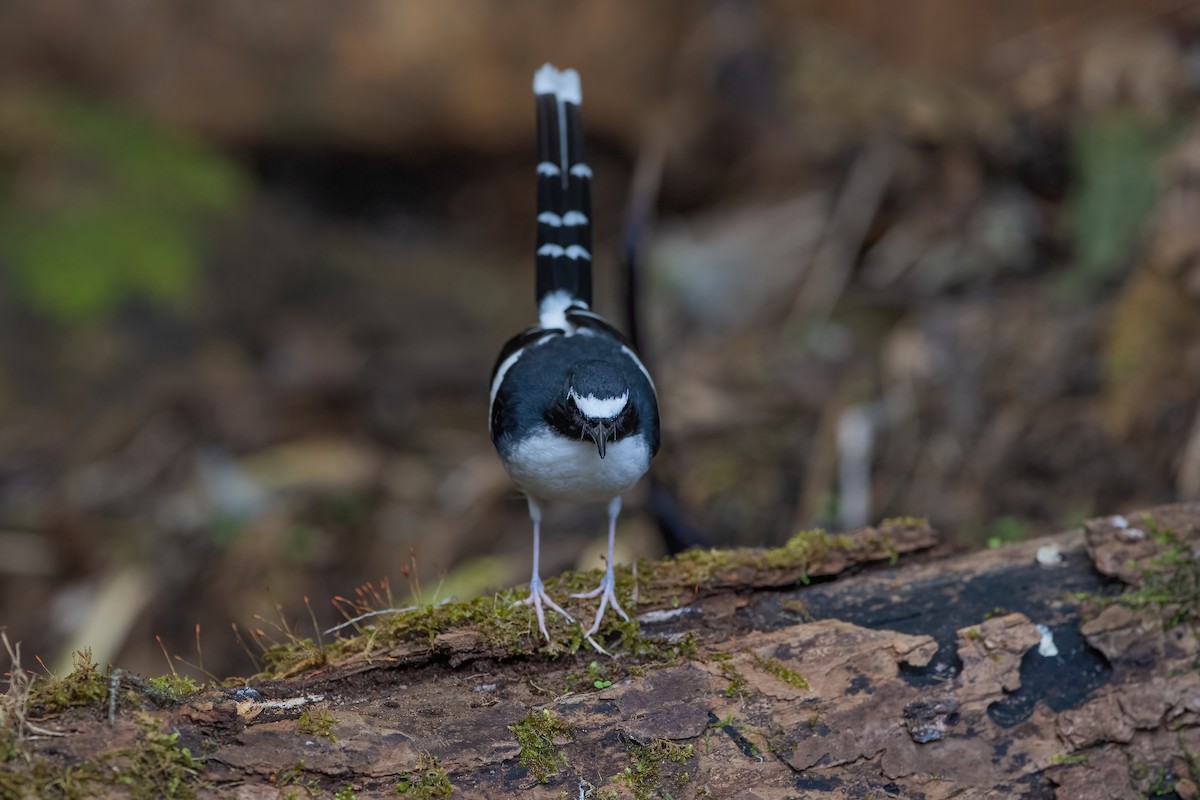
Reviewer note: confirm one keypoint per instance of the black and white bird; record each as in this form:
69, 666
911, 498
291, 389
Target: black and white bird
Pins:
573, 411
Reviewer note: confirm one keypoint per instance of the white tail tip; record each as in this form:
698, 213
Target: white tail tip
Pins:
545, 80
568, 87
563, 84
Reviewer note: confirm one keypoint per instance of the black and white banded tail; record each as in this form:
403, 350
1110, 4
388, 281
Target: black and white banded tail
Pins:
564, 198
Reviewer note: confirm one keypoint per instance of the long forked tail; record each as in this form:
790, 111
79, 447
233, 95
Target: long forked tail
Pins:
564, 197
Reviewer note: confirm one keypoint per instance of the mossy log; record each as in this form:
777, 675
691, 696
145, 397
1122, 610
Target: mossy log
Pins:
851, 666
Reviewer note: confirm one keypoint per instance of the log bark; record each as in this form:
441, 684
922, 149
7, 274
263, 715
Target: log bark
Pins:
990, 674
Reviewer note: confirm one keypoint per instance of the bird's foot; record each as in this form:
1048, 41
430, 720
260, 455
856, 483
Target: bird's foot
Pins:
607, 593
538, 597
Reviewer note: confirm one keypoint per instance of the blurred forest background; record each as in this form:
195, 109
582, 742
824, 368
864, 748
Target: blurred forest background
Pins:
927, 257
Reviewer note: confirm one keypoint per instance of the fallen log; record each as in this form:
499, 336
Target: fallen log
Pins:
1062, 667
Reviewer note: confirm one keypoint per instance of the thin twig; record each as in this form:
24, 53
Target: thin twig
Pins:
361, 617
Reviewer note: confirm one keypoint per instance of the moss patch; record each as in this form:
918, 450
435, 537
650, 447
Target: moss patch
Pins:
1170, 579
536, 734
511, 630
85, 686
295, 776
1078, 758
174, 685
430, 781
158, 767
317, 722
776, 669
737, 681
37, 776
696, 568
644, 775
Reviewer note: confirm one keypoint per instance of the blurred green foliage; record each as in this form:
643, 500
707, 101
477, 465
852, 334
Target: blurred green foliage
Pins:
99, 206
1115, 161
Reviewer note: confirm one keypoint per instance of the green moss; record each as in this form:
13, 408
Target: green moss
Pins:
10, 747
85, 686
695, 568
1170, 579
644, 775
292, 657
536, 734
431, 781
317, 722
1078, 758
511, 629
295, 776
775, 668
37, 776
345, 793
737, 681
174, 685
159, 767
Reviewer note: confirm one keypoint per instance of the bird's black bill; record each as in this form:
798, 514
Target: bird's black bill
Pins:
599, 435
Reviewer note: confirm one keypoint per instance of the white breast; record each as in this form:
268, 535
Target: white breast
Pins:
551, 467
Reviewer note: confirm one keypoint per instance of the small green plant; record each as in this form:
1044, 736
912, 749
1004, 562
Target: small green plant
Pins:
432, 781
345, 793
597, 676
317, 722
536, 734
726, 721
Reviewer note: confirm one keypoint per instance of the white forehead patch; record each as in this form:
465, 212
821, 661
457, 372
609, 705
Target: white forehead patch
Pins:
600, 407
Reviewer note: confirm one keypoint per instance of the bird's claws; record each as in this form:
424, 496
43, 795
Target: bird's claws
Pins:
537, 596
606, 591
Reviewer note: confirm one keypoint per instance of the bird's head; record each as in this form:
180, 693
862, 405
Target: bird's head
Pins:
596, 403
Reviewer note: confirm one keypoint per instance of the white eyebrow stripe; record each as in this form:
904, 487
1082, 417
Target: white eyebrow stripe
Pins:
574, 218
576, 252
551, 219
600, 407
548, 168
550, 249
581, 170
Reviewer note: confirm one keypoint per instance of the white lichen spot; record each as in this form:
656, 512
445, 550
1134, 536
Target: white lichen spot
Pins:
1046, 647
1049, 556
